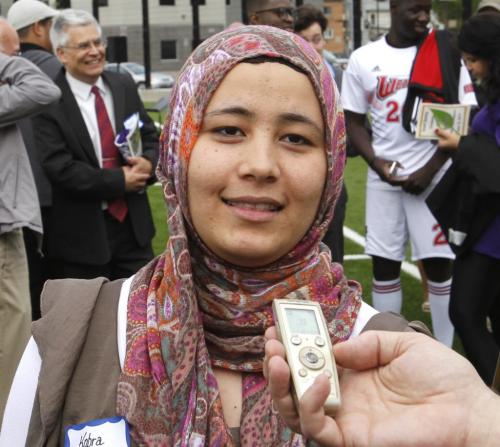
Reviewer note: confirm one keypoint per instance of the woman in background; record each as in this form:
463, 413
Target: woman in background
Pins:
311, 24
467, 203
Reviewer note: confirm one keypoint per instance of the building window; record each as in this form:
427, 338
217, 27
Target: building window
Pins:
327, 10
228, 2
167, 2
103, 2
169, 49
200, 2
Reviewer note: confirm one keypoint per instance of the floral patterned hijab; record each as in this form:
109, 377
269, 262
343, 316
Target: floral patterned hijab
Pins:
188, 310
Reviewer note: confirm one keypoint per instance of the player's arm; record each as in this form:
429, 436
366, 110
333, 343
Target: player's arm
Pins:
358, 134
362, 142
419, 180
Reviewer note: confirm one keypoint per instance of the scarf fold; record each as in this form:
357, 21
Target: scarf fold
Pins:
434, 75
188, 310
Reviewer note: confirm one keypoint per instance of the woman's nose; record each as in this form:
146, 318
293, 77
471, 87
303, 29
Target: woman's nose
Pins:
260, 160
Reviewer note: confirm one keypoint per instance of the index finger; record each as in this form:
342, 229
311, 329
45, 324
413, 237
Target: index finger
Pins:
273, 348
279, 388
271, 333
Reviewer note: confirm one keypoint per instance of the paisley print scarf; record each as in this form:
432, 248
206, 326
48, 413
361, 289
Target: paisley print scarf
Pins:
188, 310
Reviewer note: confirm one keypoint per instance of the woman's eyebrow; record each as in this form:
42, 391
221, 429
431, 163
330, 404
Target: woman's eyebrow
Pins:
232, 110
284, 117
298, 118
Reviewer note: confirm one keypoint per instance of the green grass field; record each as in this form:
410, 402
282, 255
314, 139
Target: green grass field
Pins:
360, 270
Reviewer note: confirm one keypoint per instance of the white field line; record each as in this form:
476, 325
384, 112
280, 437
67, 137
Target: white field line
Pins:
357, 257
407, 267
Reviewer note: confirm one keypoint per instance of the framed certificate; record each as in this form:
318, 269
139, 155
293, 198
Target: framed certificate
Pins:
454, 117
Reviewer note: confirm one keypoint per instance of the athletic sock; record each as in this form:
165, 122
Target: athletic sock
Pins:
387, 295
439, 300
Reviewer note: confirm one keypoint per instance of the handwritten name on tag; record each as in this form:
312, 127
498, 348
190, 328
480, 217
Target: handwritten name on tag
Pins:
109, 432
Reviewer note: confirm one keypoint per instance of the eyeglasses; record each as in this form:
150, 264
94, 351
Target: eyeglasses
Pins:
316, 39
87, 46
281, 12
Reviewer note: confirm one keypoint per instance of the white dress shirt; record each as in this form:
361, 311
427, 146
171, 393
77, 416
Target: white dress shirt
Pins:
86, 102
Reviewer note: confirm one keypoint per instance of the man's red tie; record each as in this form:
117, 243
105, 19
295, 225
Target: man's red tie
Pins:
110, 155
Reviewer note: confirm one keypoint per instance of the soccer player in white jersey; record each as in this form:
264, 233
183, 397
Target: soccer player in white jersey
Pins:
375, 83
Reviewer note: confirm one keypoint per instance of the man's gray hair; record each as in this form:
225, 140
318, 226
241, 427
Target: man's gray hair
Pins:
68, 18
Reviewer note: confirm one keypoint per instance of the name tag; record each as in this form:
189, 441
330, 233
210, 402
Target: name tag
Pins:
109, 432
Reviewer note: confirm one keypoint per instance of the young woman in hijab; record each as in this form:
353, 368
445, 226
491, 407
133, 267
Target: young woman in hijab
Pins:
467, 203
251, 165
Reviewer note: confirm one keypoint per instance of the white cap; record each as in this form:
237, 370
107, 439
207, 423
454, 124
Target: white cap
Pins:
494, 4
26, 12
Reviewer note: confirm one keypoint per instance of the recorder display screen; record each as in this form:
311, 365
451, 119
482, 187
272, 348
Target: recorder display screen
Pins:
302, 321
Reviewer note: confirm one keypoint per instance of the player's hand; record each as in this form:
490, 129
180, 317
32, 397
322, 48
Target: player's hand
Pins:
135, 180
401, 389
419, 180
382, 167
448, 140
141, 164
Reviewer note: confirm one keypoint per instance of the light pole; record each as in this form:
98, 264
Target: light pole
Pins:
195, 7
145, 42
466, 9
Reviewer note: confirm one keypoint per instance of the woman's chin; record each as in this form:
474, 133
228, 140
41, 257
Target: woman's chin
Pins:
248, 256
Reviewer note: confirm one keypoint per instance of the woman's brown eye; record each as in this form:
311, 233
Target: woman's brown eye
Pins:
296, 139
229, 131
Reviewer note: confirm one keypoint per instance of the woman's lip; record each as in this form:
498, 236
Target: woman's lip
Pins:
255, 209
253, 201
252, 214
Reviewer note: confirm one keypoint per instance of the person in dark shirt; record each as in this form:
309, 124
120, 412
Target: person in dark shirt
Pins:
32, 21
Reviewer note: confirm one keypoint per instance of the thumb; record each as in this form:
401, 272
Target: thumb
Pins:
132, 160
372, 349
441, 132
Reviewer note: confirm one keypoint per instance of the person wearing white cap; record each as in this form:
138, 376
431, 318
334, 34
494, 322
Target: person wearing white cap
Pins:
488, 6
24, 91
32, 20
24, 13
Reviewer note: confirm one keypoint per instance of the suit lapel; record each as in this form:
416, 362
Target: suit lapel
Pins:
118, 94
71, 110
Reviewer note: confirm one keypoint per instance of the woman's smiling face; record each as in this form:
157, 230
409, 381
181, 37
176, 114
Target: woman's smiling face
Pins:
258, 168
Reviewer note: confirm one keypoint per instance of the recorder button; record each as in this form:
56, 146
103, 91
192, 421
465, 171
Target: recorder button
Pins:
302, 372
320, 341
327, 373
296, 340
311, 357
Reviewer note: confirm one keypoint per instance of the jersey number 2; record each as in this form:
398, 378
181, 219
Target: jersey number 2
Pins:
439, 239
393, 115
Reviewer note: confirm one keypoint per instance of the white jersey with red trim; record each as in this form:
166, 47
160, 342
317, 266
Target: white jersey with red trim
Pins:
376, 82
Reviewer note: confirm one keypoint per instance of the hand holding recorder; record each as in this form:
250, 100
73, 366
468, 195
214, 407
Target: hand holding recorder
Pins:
302, 329
400, 389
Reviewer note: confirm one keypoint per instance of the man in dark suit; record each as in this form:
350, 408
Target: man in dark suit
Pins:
32, 20
100, 221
